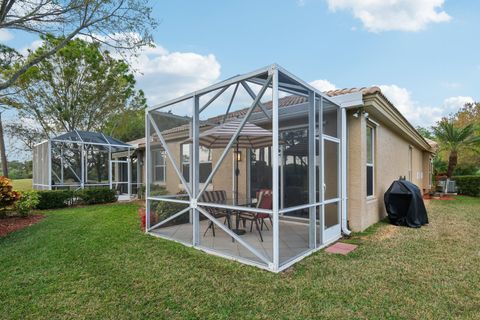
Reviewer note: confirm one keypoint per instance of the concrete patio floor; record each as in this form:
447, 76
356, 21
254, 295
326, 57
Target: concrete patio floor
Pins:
293, 239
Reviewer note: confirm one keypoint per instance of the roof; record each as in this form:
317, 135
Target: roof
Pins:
292, 100
90, 137
432, 143
364, 90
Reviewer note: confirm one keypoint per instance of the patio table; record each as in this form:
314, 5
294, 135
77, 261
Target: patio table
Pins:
237, 202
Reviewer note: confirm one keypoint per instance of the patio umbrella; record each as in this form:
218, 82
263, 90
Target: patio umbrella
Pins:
251, 136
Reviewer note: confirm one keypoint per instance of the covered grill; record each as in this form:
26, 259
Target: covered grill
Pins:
404, 204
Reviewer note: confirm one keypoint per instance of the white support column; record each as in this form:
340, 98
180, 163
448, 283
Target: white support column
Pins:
139, 170
321, 187
82, 166
129, 174
275, 180
110, 167
49, 157
311, 169
61, 167
195, 166
148, 173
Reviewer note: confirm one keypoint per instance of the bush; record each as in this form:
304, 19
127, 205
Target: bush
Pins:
7, 196
161, 210
468, 185
52, 199
96, 196
465, 170
28, 201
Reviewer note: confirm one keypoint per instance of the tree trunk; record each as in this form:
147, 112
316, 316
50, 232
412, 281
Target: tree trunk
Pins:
3, 154
452, 163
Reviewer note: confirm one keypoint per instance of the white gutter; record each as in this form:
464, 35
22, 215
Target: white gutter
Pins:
344, 156
346, 101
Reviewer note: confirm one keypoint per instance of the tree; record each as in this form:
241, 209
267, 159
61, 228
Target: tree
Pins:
80, 87
127, 126
122, 24
424, 132
8, 56
454, 139
20, 170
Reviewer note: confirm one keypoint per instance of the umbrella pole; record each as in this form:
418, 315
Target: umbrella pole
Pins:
237, 173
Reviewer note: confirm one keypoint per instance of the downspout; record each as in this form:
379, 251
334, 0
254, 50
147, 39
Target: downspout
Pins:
344, 156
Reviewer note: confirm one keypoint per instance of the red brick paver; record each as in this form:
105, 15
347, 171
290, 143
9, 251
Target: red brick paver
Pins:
341, 248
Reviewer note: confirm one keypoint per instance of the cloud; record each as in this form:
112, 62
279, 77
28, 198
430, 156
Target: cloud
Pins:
164, 75
32, 46
323, 85
453, 104
5, 35
451, 85
418, 114
387, 15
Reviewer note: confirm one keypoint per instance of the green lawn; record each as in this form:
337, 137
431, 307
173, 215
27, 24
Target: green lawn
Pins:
22, 184
94, 262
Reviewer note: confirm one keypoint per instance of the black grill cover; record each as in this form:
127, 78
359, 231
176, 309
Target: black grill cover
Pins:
404, 204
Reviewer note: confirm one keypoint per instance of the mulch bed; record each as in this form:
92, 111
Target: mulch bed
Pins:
11, 224
428, 197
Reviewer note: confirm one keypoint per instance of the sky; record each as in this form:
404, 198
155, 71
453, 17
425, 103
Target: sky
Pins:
423, 54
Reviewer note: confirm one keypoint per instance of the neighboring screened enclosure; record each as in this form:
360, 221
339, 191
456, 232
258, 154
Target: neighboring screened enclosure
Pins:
248, 169
81, 159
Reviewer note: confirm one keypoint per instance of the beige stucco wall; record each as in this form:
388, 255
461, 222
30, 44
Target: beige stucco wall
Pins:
391, 160
223, 179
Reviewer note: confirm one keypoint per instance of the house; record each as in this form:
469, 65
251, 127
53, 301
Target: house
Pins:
365, 144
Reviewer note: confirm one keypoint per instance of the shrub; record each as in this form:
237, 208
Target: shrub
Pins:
52, 199
161, 210
7, 196
96, 195
156, 190
468, 185
28, 201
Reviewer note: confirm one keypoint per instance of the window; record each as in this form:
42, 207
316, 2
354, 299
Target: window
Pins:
158, 166
370, 160
205, 157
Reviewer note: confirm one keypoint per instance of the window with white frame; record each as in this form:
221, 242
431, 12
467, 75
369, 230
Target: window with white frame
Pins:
205, 163
370, 160
159, 166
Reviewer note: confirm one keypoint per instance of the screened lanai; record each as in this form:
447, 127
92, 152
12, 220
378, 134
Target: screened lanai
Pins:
238, 170
81, 159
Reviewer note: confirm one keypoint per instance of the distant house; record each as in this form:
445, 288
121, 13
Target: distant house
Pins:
381, 147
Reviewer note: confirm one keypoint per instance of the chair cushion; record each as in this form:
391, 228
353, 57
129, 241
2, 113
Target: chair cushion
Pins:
265, 201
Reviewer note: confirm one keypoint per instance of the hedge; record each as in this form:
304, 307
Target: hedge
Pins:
96, 196
468, 185
53, 199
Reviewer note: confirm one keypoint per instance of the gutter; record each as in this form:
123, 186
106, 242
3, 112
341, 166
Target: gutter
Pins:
345, 101
344, 156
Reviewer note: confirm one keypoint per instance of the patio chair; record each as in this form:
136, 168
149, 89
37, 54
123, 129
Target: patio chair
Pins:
217, 196
264, 197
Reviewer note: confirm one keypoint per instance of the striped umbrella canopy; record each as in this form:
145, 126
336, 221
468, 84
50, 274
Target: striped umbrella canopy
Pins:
251, 136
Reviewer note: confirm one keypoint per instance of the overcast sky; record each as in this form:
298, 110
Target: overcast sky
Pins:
424, 54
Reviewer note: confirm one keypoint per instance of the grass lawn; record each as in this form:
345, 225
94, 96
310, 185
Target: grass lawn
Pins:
22, 184
94, 262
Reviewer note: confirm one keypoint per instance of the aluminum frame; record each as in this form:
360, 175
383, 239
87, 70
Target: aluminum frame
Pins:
83, 177
269, 78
